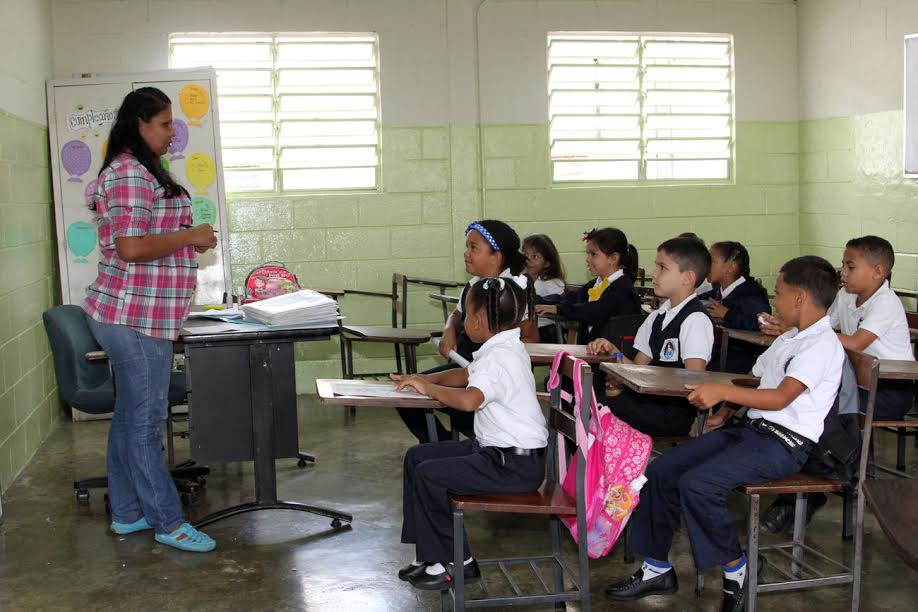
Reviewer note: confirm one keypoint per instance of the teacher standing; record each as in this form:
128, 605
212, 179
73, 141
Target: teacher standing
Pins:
135, 309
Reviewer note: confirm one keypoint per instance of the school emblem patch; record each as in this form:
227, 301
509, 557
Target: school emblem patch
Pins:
670, 350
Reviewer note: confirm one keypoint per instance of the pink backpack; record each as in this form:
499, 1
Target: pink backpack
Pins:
616, 457
269, 280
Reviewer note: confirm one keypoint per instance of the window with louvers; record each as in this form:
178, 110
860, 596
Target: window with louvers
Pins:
298, 112
640, 108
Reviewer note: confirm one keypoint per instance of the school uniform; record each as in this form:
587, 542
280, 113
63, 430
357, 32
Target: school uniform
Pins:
548, 291
415, 420
703, 288
669, 336
744, 300
696, 477
593, 306
883, 315
507, 454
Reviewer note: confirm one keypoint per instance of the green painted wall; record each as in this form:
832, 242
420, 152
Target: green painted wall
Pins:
431, 190
29, 406
851, 184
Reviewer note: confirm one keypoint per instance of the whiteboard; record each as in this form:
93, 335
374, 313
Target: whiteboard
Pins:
911, 106
80, 114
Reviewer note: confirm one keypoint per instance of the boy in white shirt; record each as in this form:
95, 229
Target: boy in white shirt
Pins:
677, 335
800, 374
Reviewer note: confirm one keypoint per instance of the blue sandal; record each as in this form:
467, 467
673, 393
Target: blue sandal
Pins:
187, 538
126, 528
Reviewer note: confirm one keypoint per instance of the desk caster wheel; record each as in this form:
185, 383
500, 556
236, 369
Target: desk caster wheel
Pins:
301, 463
337, 524
82, 497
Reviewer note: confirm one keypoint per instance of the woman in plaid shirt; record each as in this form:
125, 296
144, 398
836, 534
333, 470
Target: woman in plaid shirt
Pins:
135, 309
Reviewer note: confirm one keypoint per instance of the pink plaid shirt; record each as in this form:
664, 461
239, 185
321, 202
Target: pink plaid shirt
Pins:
152, 297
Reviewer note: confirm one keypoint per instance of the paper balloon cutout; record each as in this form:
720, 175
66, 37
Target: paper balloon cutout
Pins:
179, 141
195, 102
76, 158
104, 148
90, 191
81, 239
201, 170
203, 211
165, 162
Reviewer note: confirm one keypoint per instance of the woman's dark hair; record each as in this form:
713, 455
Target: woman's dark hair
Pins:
508, 242
141, 104
505, 302
814, 275
611, 240
546, 248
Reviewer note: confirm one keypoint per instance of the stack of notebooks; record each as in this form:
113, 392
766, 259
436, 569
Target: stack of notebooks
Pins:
305, 308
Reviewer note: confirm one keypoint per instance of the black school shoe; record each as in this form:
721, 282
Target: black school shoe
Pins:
410, 571
444, 580
780, 516
735, 596
636, 587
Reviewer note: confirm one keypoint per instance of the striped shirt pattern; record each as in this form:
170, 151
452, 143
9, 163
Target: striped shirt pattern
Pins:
153, 297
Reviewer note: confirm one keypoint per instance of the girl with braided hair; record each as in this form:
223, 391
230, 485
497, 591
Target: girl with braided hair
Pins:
737, 298
507, 454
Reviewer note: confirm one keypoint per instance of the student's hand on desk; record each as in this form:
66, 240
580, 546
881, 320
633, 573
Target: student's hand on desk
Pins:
601, 346
717, 309
707, 395
771, 325
546, 309
415, 382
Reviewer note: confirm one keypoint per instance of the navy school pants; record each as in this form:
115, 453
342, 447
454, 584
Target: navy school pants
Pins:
695, 478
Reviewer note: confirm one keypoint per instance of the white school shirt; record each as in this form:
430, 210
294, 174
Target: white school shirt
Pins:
725, 292
545, 288
696, 336
882, 314
510, 414
814, 357
704, 287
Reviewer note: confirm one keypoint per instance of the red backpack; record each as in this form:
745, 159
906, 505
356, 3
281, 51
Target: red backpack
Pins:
269, 280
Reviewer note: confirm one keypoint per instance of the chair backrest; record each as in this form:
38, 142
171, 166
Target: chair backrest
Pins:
867, 374
84, 385
400, 284
621, 331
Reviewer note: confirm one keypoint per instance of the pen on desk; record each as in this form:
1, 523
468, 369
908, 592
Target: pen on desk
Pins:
185, 226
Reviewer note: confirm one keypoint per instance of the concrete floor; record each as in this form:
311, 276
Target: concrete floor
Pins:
55, 554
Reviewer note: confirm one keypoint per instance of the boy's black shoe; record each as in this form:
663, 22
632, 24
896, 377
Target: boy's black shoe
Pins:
410, 571
777, 518
636, 587
735, 596
444, 580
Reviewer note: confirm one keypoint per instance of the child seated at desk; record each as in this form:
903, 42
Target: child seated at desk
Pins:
677, 335
545, 271
492, 249
611, 294
736, 298
507, 454
799, 374
870, 318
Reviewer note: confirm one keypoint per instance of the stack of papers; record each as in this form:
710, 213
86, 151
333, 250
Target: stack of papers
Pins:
302, 307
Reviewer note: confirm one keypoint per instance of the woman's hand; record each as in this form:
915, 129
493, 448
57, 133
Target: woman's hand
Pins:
707, 396
546, 309
202, 237
771, 325
601, 346
717, 309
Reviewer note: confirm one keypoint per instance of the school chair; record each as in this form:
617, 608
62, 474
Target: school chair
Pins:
86, 383
867, 371
550, 500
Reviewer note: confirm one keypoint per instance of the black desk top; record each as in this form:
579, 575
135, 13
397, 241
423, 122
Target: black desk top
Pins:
320, 333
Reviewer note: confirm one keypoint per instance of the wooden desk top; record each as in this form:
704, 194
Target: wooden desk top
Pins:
327, 396
752, 337
384, 333
544, 354
446, 299
898, 369
655, 380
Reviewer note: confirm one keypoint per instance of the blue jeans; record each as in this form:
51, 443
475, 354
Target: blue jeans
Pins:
139, 485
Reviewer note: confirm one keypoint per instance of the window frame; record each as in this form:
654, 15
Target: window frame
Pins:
275, 40
642, 116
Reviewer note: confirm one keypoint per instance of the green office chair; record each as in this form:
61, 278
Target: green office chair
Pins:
88, 385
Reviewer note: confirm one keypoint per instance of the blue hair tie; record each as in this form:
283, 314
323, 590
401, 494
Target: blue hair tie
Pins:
478, 227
